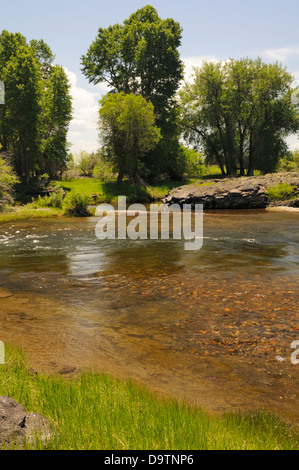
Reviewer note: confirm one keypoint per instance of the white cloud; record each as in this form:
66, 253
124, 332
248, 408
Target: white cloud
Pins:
83, 133
283, 54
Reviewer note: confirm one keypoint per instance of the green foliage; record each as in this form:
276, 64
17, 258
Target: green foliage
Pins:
34, 120
240, 112
289, 162
55, 200
194, 165
7, 181
87, 162
281, 192
76, 204
128, 130
141, 57
103, 171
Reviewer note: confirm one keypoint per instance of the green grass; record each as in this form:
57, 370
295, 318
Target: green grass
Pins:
109, 191
281, 192
97, 412
26, 213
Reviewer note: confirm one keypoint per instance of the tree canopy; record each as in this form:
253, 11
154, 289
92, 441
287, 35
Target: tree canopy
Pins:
240, 112
37, 111
141, 57
128, 131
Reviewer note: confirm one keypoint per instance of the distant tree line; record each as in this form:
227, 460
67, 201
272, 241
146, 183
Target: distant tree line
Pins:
236, 114
37, 111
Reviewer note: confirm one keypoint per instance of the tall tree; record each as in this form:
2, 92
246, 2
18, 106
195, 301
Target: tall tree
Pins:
240, 113
141, 56
37, 111
128, 130
23, 91
57, 113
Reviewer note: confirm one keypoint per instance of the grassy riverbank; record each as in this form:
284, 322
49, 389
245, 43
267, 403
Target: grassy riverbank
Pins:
109, 191
21, 213
99, 412
93, 189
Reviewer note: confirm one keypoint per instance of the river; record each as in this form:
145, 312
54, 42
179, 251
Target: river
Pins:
213, 326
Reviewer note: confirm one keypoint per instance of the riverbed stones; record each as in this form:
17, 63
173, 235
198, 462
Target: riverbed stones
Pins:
16, 426
230, 193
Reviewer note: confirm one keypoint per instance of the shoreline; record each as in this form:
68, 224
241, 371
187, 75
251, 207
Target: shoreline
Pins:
237, 193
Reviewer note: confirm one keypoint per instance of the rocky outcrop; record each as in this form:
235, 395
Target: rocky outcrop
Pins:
230, 193
17, 427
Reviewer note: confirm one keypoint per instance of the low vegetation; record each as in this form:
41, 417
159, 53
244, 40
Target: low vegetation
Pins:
95, 411
281, 192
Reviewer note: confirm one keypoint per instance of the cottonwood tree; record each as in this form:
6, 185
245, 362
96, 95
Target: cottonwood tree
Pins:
35, 118
141, 57
127, 131
240, 112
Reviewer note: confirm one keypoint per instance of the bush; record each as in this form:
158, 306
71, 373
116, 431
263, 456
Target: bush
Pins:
103, 171
289, 162
77, 205
7, 181
281, 192
87, 162
54, 200
194, 165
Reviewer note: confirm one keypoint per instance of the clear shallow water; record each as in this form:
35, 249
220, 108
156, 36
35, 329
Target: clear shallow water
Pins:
205, 325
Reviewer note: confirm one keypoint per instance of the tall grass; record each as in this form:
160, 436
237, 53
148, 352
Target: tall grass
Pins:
93, 411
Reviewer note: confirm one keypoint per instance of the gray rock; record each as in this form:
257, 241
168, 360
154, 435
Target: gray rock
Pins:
16, 426
231, 193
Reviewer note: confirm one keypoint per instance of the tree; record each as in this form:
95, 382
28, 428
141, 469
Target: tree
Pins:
23, 91
141, 57
128, 130
34, 120
7, 181
240, 112
55, 119
87, 162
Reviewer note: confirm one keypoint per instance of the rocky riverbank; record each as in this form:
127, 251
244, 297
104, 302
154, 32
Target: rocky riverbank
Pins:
234, 193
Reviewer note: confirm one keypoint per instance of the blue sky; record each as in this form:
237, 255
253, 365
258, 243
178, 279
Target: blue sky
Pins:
212, 29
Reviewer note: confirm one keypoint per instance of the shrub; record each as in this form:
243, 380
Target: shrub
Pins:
7, 181
104, 171
77, 205
281, 192
289, 162
55, 199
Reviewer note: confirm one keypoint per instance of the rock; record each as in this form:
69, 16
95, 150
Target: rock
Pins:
231, 193
16, 426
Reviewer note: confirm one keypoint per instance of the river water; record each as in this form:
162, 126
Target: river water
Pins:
213, 327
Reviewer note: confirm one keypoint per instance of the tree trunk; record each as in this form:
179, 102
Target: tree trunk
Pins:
120, 176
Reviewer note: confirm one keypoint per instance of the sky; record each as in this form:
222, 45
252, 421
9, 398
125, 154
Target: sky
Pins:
213, 30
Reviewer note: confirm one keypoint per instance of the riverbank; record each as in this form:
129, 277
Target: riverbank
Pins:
257, 192
96, 411
228, 193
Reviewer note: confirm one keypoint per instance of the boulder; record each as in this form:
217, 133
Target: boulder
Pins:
16, 426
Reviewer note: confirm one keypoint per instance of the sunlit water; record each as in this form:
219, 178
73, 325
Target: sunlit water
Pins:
213, 326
